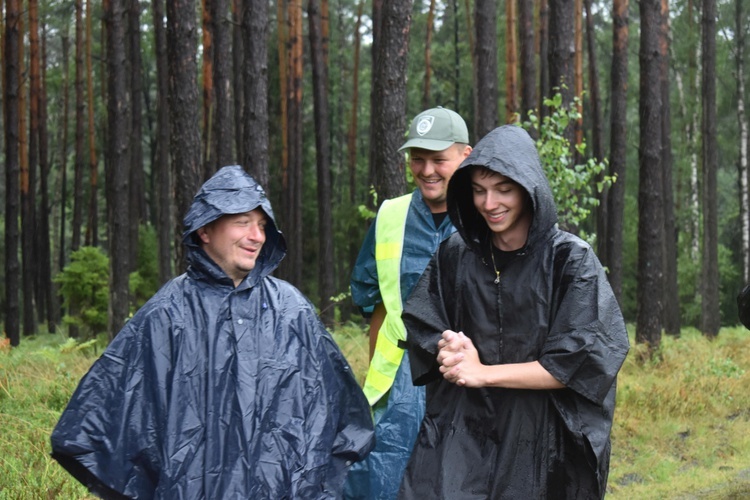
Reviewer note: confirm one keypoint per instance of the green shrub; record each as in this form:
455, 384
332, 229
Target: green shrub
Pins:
573, 186
85, 290
144, 281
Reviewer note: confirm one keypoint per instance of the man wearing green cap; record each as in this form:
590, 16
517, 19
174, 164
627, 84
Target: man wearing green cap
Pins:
396, 250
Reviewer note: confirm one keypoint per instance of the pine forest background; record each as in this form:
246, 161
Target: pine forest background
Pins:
115, 111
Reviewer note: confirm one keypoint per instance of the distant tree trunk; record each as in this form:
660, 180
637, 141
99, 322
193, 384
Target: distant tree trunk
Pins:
377, 21
744, 176
351, 142
255, 121
710, 311
163, 181
92, 231
78, 201
389, 90
618, 144
28, 228
561, 53
64, 145
11, 114
323, 161
528, 64
578, 75
671, 294
222, 84
426, 100
45, 250
137, 186
694, 58
650, 290
209, 159
294, 123
456, 52
544, 90
183, 110
486, 91
238, 57
596, 134
118, 111
511, 62
457, 56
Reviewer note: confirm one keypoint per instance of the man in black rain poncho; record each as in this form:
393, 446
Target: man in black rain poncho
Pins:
517, 332
225, 384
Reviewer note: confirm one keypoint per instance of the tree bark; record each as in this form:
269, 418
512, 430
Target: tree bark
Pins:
650, 289
326, 275
78, 201
486, 95
578, 71
118, 111
544, 91
294, 122
562, 52
11, 114
511, 62
671, 295
238, 57
209, 144
185, 144
389, 91
743, 174
92, 230
426, 100
255, 121
163, 181
137, 181
528, 64
710, 311
618, 144
222, 83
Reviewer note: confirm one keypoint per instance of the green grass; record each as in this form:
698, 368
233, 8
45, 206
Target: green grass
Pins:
682, 423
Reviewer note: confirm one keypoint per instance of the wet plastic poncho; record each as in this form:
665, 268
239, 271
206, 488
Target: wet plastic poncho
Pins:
212, 391
553, 304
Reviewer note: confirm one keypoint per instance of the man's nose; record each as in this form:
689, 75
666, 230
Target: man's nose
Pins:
256, 233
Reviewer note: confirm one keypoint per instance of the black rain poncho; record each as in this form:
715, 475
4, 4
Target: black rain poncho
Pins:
553, 305
214, 392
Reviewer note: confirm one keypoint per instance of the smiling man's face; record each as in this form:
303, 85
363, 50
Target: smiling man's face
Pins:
234, 242
433, 169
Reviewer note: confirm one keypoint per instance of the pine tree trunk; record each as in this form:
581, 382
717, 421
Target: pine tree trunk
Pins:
78, 201
617, 144
222, 83
137, 186
671, 290
118, 111
92, 230
209, 145
163, 181
326, 278
710, 312
511, 62
389, 91
255, 120
294, 122
185, 143
578, 72
743, 176
238, 96
486, 95
528, 64
426, 100
650, 289
561, 53
11, 114
544, 91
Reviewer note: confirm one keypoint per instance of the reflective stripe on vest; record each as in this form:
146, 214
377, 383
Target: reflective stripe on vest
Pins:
389, 242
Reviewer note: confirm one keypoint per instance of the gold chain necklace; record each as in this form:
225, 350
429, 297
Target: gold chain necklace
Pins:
492, 254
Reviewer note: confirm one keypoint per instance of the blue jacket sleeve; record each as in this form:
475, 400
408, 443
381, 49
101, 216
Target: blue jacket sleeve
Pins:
364, 281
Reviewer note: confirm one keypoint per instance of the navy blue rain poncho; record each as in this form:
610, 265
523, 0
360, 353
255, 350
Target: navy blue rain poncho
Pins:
214, 392
553, 304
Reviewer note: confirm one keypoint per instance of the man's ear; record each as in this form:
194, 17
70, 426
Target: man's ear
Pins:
202, 234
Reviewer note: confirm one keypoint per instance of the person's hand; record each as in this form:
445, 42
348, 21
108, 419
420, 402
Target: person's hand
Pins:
459, 360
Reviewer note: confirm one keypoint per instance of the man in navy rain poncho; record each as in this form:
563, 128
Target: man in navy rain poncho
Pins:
225, 384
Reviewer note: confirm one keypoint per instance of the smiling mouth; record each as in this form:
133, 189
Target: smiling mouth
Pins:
430, 181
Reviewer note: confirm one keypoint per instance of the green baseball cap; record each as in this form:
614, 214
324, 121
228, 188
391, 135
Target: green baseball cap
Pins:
436, 129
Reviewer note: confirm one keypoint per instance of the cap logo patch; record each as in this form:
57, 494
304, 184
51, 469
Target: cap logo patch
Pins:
425, 124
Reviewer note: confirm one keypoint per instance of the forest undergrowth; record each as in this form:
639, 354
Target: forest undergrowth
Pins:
681, 431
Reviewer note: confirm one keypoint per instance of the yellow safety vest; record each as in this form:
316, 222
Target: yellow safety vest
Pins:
389, 243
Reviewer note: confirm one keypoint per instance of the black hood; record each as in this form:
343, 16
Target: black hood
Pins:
231, 190
510, 151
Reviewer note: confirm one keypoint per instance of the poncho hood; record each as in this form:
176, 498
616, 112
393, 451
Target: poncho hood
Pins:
233, 191
509, 151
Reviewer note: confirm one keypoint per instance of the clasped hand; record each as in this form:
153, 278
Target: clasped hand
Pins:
459, 360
